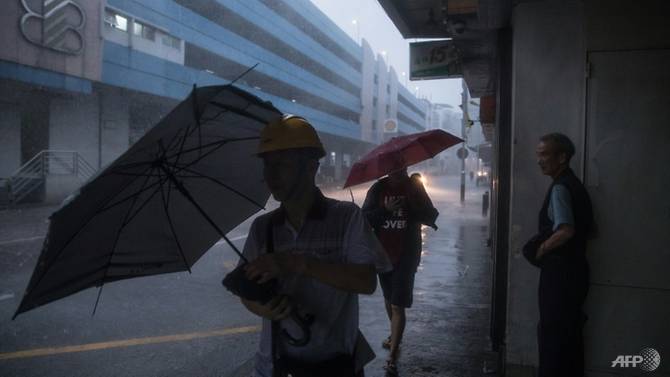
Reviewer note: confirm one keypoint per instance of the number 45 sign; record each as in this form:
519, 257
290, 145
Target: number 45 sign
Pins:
434, 60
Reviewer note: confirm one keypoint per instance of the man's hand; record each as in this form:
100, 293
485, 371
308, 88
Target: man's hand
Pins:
357, 278
541, 251
270, 266
558, 238
276, 309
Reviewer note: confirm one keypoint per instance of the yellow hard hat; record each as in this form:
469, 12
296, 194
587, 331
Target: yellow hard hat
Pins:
289, 132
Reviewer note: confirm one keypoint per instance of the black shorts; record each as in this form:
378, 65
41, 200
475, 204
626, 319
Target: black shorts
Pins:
398, 286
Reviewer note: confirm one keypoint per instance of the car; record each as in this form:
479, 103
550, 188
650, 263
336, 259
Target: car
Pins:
482, 177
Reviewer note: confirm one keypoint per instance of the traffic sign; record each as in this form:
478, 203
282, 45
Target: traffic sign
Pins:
462, 153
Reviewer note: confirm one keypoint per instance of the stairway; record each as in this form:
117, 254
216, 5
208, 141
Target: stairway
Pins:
4, 192
33, 174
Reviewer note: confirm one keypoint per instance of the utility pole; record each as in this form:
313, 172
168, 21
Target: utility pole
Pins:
464, 101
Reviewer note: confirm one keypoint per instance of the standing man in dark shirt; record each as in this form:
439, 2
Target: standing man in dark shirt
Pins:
396, 206
565, 221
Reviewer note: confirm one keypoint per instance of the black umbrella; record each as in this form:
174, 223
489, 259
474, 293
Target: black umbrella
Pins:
161, 205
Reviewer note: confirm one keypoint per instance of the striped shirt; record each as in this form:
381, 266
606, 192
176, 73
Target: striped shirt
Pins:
334, 232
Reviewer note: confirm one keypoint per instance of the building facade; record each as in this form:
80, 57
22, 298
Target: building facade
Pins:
91, 77
596, 71
446, 117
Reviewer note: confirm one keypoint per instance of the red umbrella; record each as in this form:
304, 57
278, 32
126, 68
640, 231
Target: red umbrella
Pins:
400, 152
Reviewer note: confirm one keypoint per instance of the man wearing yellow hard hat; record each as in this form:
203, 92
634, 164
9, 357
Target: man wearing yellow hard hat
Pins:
323, 253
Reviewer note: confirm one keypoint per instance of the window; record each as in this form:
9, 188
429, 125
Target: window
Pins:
144, 31
388, 109
374, 101
115, 21
374, 124
376, 79
171, 41
388, 88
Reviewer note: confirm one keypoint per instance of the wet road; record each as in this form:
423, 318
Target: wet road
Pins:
165, 325
184, 323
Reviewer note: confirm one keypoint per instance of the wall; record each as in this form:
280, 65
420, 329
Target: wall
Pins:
367, 92
114, 124
627, 176
630, 287
547, 79
628, 296
382, 96
154, 47
73, 126
393, 95
625, 25
386, 75
10, 132
17, 48
139, 71
96, 126
24, 118
216, 38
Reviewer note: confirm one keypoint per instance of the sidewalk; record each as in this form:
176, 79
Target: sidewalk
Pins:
448, 324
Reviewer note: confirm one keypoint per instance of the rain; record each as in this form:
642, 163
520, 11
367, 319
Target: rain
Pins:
132, 170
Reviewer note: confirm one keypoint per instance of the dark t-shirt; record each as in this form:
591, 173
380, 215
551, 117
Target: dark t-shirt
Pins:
400, 231
393, 228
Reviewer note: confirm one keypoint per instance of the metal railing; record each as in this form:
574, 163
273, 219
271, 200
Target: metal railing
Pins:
33, 173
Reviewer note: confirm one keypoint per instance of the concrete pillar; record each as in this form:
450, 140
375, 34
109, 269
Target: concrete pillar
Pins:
73, 126
10, 139
114, 125
548, 52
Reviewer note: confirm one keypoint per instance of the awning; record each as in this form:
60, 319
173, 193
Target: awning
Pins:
472, 24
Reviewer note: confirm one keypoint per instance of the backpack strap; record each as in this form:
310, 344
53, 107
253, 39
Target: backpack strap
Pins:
274, 337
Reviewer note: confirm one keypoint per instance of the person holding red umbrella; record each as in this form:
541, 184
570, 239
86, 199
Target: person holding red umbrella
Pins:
396, 206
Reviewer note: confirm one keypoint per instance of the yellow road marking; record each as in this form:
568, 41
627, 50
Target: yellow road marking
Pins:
127, 343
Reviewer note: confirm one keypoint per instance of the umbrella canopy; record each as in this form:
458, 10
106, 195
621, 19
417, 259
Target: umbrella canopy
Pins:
400, 152
159, 207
